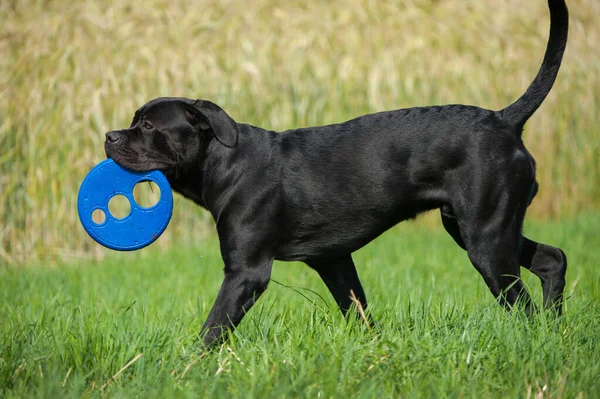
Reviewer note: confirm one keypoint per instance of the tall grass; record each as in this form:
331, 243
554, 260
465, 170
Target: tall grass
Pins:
70, 71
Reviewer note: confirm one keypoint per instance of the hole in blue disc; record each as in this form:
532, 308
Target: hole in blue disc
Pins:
119, 206
98, 216
146, 193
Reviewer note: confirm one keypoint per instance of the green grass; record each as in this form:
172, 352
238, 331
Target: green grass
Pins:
67, 331
71, 71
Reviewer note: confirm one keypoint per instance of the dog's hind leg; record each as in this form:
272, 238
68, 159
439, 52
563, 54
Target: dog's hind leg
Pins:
451, 226
340, 277
545, 261
550, 265
493, 249
488, 217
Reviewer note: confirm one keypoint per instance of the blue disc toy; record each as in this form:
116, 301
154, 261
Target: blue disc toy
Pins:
138, 229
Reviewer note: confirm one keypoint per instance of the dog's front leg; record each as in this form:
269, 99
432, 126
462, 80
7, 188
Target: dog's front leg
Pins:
244, 282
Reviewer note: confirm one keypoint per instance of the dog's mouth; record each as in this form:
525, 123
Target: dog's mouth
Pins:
136, 162
146, 165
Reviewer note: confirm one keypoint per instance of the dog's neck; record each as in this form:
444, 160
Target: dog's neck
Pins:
186, 181
199, 182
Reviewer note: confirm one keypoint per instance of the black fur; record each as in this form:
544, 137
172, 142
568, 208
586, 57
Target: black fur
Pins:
318, 194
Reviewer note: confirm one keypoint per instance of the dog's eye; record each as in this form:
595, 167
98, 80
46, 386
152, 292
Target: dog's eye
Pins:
147, 126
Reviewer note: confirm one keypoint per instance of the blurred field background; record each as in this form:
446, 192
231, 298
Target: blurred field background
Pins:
70, 71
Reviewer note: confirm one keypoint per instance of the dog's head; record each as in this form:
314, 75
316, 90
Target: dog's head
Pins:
169, 133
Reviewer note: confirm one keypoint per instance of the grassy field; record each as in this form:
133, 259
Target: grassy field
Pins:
73, 70
125, 327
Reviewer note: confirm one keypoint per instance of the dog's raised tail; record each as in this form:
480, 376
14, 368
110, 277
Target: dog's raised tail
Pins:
521, 110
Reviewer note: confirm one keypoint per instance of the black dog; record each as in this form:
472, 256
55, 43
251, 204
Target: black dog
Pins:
318, 194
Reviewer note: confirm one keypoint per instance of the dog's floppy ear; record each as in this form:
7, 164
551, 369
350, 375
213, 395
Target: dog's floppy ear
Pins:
210, 116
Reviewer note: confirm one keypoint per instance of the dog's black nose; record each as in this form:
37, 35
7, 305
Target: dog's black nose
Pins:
113, 136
